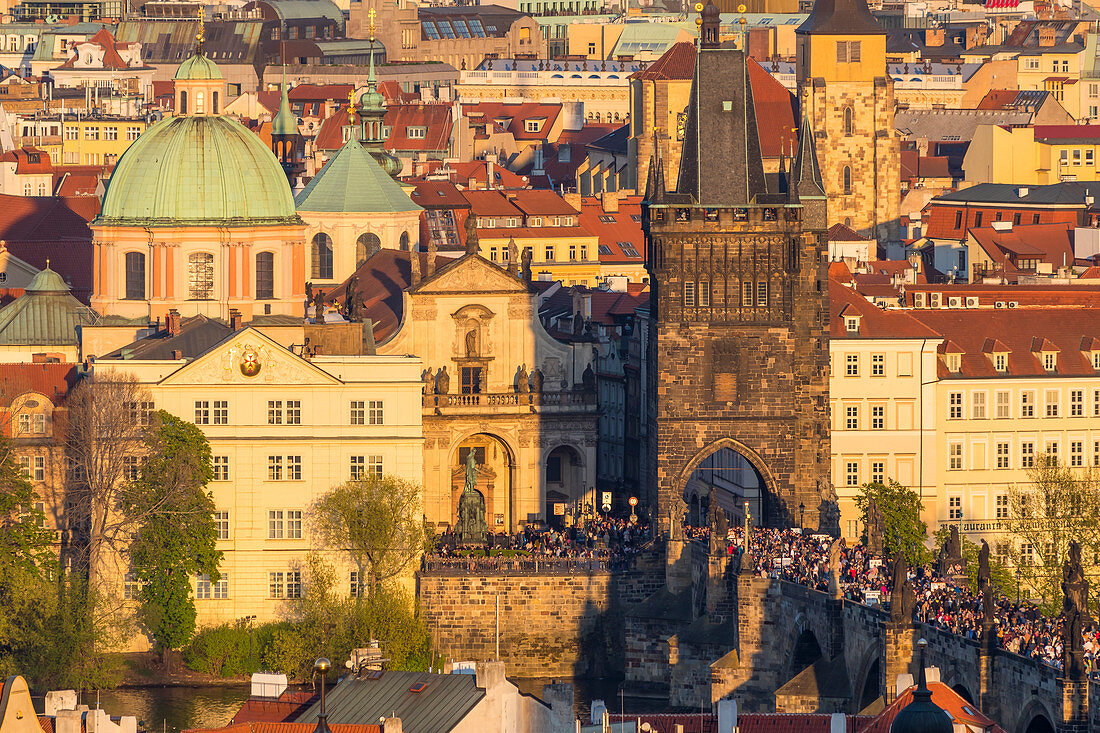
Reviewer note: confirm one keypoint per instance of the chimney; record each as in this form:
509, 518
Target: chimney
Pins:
609, 200
414, 266
177, 354
934, 37
391, 725
1046, 37
235, 319
172, 323
727, 716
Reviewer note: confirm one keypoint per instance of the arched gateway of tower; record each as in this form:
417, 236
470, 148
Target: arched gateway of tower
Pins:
738, 346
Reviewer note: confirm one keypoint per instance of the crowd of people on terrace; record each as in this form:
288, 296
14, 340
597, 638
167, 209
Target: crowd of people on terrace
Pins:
803, 558
612, 541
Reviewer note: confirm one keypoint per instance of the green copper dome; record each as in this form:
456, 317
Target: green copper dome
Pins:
204, 170
198, 67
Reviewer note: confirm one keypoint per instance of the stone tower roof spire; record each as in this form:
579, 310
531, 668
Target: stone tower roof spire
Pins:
805, 171
841, 18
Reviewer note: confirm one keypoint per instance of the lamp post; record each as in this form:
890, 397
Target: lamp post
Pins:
321, 667
801, 513
1017, 584
251, 656
747, 545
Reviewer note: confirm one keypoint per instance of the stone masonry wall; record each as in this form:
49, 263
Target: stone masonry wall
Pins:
551, 625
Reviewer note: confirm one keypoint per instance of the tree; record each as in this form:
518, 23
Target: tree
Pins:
1058, 505
174, 534
903, 530
377, 521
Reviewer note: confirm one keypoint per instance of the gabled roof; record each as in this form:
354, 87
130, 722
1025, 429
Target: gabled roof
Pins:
512, 117
874, 321
444, 701
841, 18
775, 112
28, 160
111, 58
353, 182
675, 64
490, 203
285, 727
994, 346
962, 712
53, 380
842, 233
197, 335
439, 195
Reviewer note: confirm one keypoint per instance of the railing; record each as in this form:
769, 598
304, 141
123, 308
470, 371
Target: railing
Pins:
512, 399
518, 564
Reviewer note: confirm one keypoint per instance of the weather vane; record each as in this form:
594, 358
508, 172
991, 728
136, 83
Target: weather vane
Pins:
370, 14
351, 106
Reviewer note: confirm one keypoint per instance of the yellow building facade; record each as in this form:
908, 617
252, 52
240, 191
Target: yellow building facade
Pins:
1030, 156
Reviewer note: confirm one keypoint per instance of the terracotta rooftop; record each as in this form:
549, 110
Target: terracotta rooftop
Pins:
677, 63
963, 713
842, 233
52, 380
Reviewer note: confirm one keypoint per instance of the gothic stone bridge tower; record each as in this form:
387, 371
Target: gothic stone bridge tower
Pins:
738, 267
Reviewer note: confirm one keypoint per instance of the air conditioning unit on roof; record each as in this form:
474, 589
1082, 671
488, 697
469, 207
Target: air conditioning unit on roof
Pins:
918, 300
1013, 304
972, 302
999, 304
954, 302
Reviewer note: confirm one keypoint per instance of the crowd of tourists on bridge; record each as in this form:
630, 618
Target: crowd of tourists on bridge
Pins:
608, 542
802, 557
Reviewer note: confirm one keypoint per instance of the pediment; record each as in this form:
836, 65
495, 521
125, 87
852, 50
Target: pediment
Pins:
471, 274
249, 357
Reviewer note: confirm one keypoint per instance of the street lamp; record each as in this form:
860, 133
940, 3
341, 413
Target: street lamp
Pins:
1017, 584
801, 512
321, 668
251, 656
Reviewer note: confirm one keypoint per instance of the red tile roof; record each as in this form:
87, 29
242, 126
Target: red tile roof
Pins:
52, 380
962, 712
288, 706
23, 165
775, 113
841, 233
393, 93
620, 229
1062, 132
840, 272
399, 117
933, 167
1050, 243
1024, 296
319, 93
540, 202
512, 117
111, 59
439, 195
277, 727
677, 63
606, 305
491, 203
874, 322
746, 722
37, 229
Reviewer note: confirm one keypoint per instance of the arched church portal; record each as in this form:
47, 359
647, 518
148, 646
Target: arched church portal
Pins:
495, 469
563, 479
733, 479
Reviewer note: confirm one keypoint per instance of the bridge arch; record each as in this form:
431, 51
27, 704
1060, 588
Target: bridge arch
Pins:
804, 648
869, 682
1035, 718
740, 475
963, 691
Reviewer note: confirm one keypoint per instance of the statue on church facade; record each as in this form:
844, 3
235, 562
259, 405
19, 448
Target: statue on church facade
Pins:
472, 527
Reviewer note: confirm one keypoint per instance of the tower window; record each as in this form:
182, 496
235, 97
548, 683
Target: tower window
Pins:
135, 276
200, 276
265, 275
322, 256
848, 121
847, 180
847, 52
689, 295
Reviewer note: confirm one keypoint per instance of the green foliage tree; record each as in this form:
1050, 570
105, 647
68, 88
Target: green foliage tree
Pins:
174, 532
1057, 505
903, 530
377, 521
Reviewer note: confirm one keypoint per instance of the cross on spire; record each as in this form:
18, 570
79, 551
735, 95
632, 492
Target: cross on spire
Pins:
200, 37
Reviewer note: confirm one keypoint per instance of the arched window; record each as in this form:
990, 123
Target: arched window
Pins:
135, 276
214, 104
848, 122
200, 276
200, 101
265, 276
322, 257
404, 241
365, 247
183, 102
847, 180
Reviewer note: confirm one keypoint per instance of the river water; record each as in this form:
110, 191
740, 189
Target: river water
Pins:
173, 709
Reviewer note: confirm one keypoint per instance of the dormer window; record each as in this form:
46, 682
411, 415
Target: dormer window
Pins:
1096, 360
1000, 362
1050, 360
954, 362
532, 125
416, 133
851, 324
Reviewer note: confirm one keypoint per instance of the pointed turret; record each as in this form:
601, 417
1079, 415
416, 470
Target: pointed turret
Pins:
372, 111
286, 141
806, 186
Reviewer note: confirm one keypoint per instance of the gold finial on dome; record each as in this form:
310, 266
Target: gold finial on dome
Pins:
371, 14
351, 106
200, 37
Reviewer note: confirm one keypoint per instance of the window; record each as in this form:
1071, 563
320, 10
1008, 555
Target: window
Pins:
531, 125
132, 133
357, 467
1096, 453
91, 133
200, 276
851, 324
689, 295
958, 219
878, 365
1027, 455
221, 468
110, 133
762, 294
294, 524
955, 456
471, 380
135, 276
878, 417
374, 466
375, 412
293, 468
353, 585
274, 412
978, 218
1000, 362
847, 180
71, 132
131, 586
954, 507
549, 253
274, 468
358, 412
205, 590
851, 365
746, 295
293, 412
851, 417
1051, 400
955, 405
1050, 360
276, 527
848, 52
1076, 403
572, 252
265, 275
220, 412
140, 413
202, 412
131, 468
1002, 455
1076, 453
294, 584
1001, 506
704, 293
34, 468
1027, 404
1052, 450
977, 405
1096, 403
1003, 410
848, 121
275, 585
851, 473
878, 472
418, 132
322, 256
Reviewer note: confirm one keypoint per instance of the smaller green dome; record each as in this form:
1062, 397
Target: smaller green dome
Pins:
47, 281
198, 67
371, 101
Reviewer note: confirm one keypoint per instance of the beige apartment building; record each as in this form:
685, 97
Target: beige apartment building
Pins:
283, 430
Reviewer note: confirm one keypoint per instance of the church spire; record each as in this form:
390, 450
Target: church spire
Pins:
372, 111
806, 180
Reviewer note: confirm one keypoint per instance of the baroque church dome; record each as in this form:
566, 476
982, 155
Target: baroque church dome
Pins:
198, 168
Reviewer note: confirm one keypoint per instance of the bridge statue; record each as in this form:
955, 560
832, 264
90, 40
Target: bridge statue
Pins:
985, 588
719, 526
875, 528
902, 598
950, 560
834, 567
471, 528
829, 509
1075, 614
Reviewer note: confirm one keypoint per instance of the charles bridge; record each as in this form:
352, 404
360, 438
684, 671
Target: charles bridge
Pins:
683, 622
